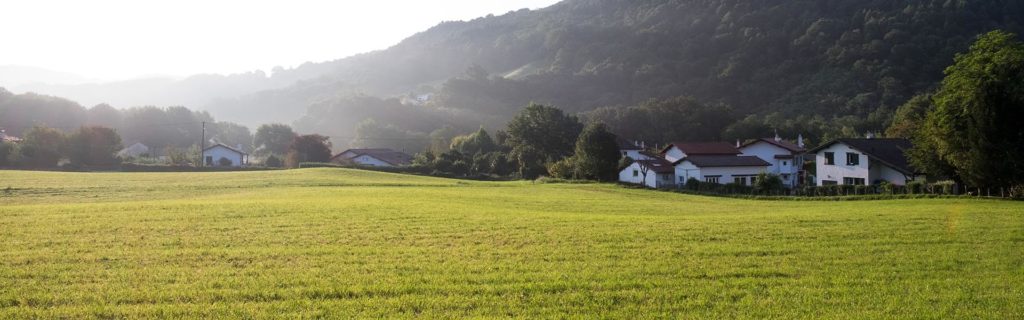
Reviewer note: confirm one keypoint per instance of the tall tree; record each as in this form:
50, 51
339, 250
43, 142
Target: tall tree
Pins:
309, 148
273, 139
42, 147
539, 135
597, 154
909, 117
94, 146
975, 126
474, 143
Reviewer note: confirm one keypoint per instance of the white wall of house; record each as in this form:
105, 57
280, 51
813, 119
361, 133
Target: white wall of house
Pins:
635, 154
674, 154
840, 169
686, 170
634, 175
784, 168
368, 160
212, 156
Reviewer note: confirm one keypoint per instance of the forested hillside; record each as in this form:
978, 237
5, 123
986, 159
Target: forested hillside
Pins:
775, 59
823, 68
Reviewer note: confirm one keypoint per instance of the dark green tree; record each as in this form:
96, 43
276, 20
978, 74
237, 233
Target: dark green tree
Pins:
474, 143
597, 154
94, 146
975, 126
273, 139
547, 130
42, 147
308, 148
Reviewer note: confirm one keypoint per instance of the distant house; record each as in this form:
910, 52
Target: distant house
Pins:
679, 150
722, 169
220, 155
635, 150
134, 151
8, 138
786, 158
654, 173
864, 162
373, 157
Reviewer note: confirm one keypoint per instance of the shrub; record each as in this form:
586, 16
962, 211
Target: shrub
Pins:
273, 162
224, 162
915, 187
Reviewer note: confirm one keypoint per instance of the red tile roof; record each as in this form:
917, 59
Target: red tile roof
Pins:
725, 161
792, 147
392, 157
704, 148
658, 165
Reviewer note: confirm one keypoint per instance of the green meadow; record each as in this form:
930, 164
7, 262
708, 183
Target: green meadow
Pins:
336, 243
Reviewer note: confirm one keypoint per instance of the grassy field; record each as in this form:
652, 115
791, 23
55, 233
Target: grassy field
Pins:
328, 243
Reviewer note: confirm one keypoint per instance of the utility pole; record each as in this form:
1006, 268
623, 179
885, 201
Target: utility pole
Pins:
202, 146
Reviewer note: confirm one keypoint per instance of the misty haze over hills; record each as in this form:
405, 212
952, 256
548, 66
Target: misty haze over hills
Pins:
841, 63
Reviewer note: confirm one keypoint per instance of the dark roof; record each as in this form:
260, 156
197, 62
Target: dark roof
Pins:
725, 161
889, 151
792, 147
626, 144
225, 146
658, 165
392, 157
704, 148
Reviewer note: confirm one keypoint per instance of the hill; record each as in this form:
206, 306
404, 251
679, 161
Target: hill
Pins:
787, 58
329, 243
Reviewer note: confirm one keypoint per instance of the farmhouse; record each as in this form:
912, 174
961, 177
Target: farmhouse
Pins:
373, 157
679, 150
722, 169
863, 162
220, 155
654, 173
634, 150
786, 158
133, 151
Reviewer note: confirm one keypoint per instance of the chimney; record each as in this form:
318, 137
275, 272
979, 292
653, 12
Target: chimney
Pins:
800, 140
643, 145
777, 138
737, 143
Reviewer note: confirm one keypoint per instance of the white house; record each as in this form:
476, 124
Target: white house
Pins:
635, 150
722, 169
373, 157
654, 173
8, 138
786, 158
134, 151
219, 155
864, 162
678, 150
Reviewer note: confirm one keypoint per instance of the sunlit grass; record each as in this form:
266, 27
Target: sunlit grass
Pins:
337, 243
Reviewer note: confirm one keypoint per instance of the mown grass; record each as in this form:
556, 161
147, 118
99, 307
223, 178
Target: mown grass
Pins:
329, 243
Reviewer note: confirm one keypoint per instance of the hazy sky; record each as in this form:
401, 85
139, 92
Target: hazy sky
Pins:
117, 39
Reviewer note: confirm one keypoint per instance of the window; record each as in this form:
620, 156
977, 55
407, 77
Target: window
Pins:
753, 180
682, 179
712, 179
852, 159
830, 158
636, 173
624, 153
209, 160
740, 180
854, 181
785, 163
829, 182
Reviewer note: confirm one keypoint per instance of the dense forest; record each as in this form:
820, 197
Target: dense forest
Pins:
821, 68
724, 69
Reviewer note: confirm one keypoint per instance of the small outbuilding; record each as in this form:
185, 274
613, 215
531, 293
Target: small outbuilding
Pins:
220, 155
